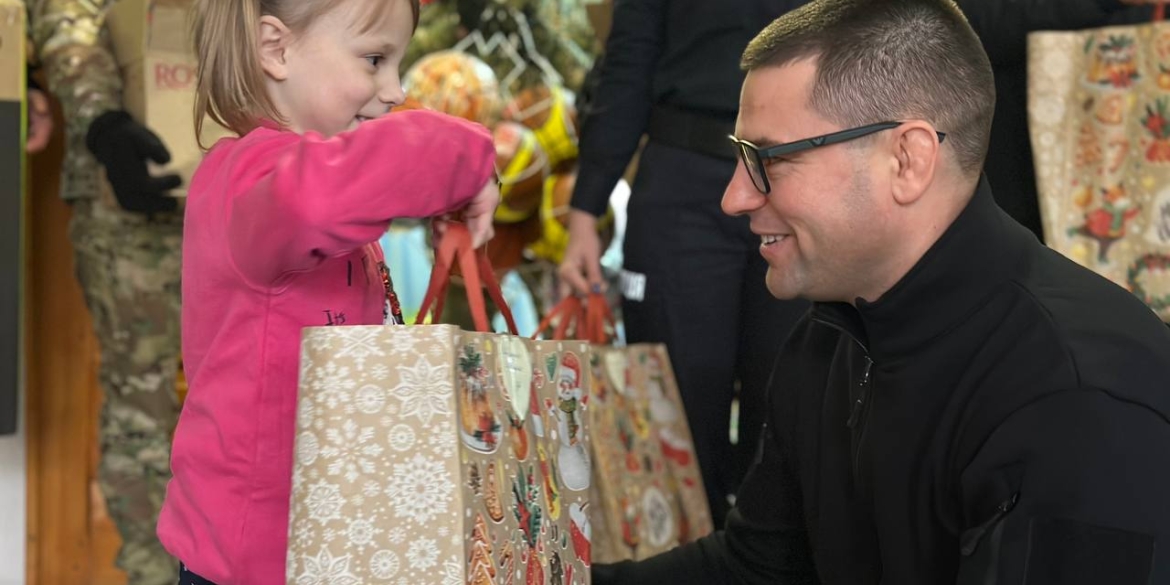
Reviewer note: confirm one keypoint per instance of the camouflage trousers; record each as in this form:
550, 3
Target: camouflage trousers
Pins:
128, 266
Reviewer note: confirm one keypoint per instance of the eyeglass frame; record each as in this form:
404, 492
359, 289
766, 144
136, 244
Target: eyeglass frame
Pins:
763, 154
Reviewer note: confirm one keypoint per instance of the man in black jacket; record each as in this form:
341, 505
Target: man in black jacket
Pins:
672, 77
962, 404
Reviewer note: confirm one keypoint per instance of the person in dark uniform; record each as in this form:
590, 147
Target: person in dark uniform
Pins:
691, 275
961, 405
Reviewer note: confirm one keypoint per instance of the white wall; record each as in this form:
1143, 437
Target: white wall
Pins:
12, 506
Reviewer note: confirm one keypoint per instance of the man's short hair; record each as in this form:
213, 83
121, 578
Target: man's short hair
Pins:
889, 60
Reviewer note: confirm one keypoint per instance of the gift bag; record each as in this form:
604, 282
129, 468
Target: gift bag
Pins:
427, 454
155, 51
1099, 118
648, 493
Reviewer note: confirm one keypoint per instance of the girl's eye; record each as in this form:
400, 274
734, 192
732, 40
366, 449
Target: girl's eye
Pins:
375, 59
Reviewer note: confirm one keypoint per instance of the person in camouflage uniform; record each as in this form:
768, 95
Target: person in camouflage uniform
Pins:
126, 236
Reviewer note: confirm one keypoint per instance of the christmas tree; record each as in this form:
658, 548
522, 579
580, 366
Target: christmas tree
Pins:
480, 569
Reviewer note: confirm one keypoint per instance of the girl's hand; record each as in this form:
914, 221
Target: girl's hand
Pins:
480, 212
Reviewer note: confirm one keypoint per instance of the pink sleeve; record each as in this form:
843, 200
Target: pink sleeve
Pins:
299, 199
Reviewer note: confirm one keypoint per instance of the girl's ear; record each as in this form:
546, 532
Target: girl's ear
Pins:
273, 39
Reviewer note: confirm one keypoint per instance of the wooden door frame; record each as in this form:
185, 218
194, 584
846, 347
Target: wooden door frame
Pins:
62, 391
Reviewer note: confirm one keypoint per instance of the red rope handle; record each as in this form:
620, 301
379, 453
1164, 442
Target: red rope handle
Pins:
440, 277
576, 320
478, 274
488, 275
566, 313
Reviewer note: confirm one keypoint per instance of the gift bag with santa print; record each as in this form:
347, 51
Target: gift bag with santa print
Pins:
427, 454
1099, 118
648, 493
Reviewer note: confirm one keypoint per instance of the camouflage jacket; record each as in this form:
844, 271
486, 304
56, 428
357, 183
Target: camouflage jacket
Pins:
70, 41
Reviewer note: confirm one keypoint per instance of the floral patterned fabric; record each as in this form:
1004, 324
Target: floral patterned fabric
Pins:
1098, 106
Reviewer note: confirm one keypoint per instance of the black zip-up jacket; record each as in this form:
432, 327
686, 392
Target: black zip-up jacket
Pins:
1001, 415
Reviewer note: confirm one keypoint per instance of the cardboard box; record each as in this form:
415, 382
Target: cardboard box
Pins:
155, 51
12, 157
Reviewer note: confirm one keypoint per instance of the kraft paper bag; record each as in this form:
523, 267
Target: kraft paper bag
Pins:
1099, 118
648, 493
427, 454
648, 479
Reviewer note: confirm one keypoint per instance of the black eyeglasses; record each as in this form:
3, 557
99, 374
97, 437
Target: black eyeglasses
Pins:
753, 156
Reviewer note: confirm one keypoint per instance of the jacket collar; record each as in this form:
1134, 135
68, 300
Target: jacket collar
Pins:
982, 249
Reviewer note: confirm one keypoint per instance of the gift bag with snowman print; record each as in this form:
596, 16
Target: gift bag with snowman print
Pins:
648, 494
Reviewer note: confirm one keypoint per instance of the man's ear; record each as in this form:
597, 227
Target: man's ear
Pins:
916, 151
273, 40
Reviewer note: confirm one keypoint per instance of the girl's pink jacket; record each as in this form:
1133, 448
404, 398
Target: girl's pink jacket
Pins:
281, 233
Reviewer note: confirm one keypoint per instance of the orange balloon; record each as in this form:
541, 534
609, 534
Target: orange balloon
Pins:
522, 166
455, 83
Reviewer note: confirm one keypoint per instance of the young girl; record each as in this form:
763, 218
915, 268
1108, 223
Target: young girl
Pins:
281, 230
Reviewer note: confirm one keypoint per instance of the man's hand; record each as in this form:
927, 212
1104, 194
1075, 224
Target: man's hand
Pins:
581, 268
40, 121
123, 146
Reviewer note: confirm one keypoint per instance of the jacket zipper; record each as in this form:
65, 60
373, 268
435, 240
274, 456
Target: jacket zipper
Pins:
859, 411
980, 547
969, 541
862, 397
860, 415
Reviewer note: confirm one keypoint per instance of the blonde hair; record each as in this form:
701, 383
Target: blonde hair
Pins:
230, 82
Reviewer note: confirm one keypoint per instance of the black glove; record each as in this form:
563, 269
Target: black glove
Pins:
123, 146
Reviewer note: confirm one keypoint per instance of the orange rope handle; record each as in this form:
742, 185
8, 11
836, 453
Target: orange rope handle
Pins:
477, 275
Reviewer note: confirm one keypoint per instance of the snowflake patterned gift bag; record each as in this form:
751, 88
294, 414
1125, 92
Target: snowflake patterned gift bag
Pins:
1099, 118
427, 454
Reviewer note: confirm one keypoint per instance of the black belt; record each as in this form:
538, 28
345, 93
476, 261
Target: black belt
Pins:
694, 132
